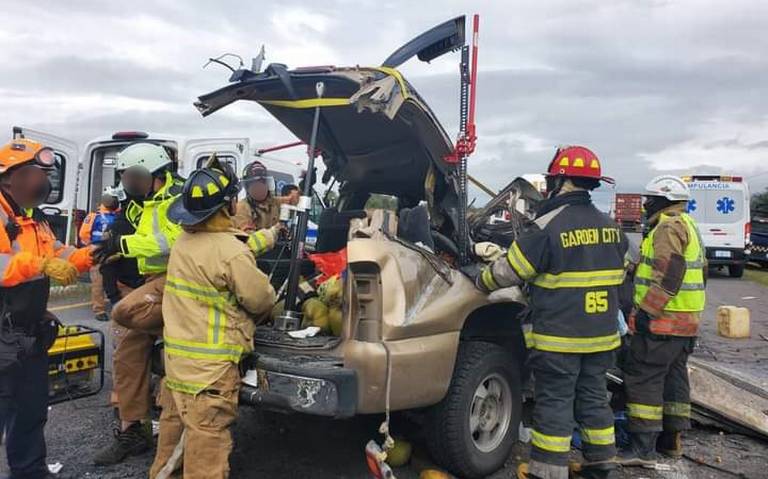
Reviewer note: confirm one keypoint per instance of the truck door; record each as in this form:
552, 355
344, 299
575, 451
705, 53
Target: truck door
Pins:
233, 151
64, 181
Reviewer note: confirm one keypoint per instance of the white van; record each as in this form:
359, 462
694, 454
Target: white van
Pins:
78, 181
720, 206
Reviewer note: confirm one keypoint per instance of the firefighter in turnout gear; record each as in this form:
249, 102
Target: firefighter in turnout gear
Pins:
669, 300
150, 186
30, 256
260, 208
572, 259
215, 296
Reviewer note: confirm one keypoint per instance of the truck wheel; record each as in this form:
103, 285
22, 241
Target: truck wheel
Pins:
472, 430
736, 270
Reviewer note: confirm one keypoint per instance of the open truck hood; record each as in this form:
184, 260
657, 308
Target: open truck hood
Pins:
376, 134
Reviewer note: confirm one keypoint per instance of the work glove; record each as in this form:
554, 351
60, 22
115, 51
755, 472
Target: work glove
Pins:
108, 250
488, 252
61, 271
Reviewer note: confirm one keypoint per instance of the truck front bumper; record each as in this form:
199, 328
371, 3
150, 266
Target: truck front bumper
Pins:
300, 383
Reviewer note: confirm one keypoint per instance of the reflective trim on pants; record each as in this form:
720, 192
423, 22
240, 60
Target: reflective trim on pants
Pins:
677, 409
599, 437
645, 411
550, 443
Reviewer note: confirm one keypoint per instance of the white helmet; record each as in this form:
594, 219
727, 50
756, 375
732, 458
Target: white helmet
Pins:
150, 156
670, 187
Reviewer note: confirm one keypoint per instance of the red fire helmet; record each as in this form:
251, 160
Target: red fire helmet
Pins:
577, 161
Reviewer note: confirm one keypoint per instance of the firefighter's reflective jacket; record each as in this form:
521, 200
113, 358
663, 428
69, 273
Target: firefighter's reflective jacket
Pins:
669, 281
155, 234
213, 293
573, 260
26, 240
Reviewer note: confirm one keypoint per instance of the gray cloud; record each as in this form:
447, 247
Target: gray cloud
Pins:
649, 84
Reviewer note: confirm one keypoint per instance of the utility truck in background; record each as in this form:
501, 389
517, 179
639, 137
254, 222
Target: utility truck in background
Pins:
720, 206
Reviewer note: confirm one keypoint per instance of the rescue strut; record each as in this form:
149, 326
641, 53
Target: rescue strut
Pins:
291, 318
465, 143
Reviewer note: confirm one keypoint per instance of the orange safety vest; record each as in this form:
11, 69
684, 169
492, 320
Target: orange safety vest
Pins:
87, 227
21, 258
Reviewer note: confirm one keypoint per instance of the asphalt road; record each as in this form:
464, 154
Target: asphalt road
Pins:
270, 445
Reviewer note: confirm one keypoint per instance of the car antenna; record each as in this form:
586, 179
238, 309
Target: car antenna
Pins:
465, 144
221, 62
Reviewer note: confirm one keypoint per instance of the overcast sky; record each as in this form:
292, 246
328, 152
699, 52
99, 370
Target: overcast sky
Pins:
649, 85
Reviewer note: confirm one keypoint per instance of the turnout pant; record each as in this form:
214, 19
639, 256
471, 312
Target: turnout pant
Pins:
204, 420
98, 300
23, 414
656, 381
570, 389
140, 313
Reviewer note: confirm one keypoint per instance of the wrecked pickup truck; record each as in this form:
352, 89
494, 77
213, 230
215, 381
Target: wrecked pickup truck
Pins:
416, 334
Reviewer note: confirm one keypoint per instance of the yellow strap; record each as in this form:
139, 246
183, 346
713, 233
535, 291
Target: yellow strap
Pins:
645, 411
398, 76
307, 103
551, 443
580, 279
599, 437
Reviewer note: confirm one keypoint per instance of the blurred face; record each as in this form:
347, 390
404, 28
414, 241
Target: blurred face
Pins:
137, 182
257, 190
28, 185
293, 197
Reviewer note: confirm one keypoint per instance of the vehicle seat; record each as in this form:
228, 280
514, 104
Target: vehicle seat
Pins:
333, 229
413, 226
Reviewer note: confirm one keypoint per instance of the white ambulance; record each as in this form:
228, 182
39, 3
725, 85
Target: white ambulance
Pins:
720, 206
79, 177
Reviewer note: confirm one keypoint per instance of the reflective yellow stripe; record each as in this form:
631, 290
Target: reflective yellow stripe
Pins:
202, 293
580, 279
396, 74
257, 243
677, 409
520, 263
184, 386
558, 344
551, 443
195, 350
487, 278
527, 334
645, 411
599, 437
308, 103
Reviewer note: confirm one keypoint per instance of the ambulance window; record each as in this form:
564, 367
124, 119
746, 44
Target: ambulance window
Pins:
56, 176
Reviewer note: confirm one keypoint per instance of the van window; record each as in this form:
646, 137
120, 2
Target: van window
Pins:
56, 176
717, 206
228, 160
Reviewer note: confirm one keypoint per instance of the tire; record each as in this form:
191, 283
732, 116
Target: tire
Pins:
449, 436
736, 270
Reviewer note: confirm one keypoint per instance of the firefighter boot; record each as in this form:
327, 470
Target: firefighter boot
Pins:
670, 444
603, 470
641, 450
135, 440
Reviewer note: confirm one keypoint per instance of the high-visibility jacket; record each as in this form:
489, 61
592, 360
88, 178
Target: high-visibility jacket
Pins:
573, 260
95, 225
673, 293
213, 293
155, 233
25, 242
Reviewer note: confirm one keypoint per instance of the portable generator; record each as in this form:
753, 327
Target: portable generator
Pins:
75, 364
